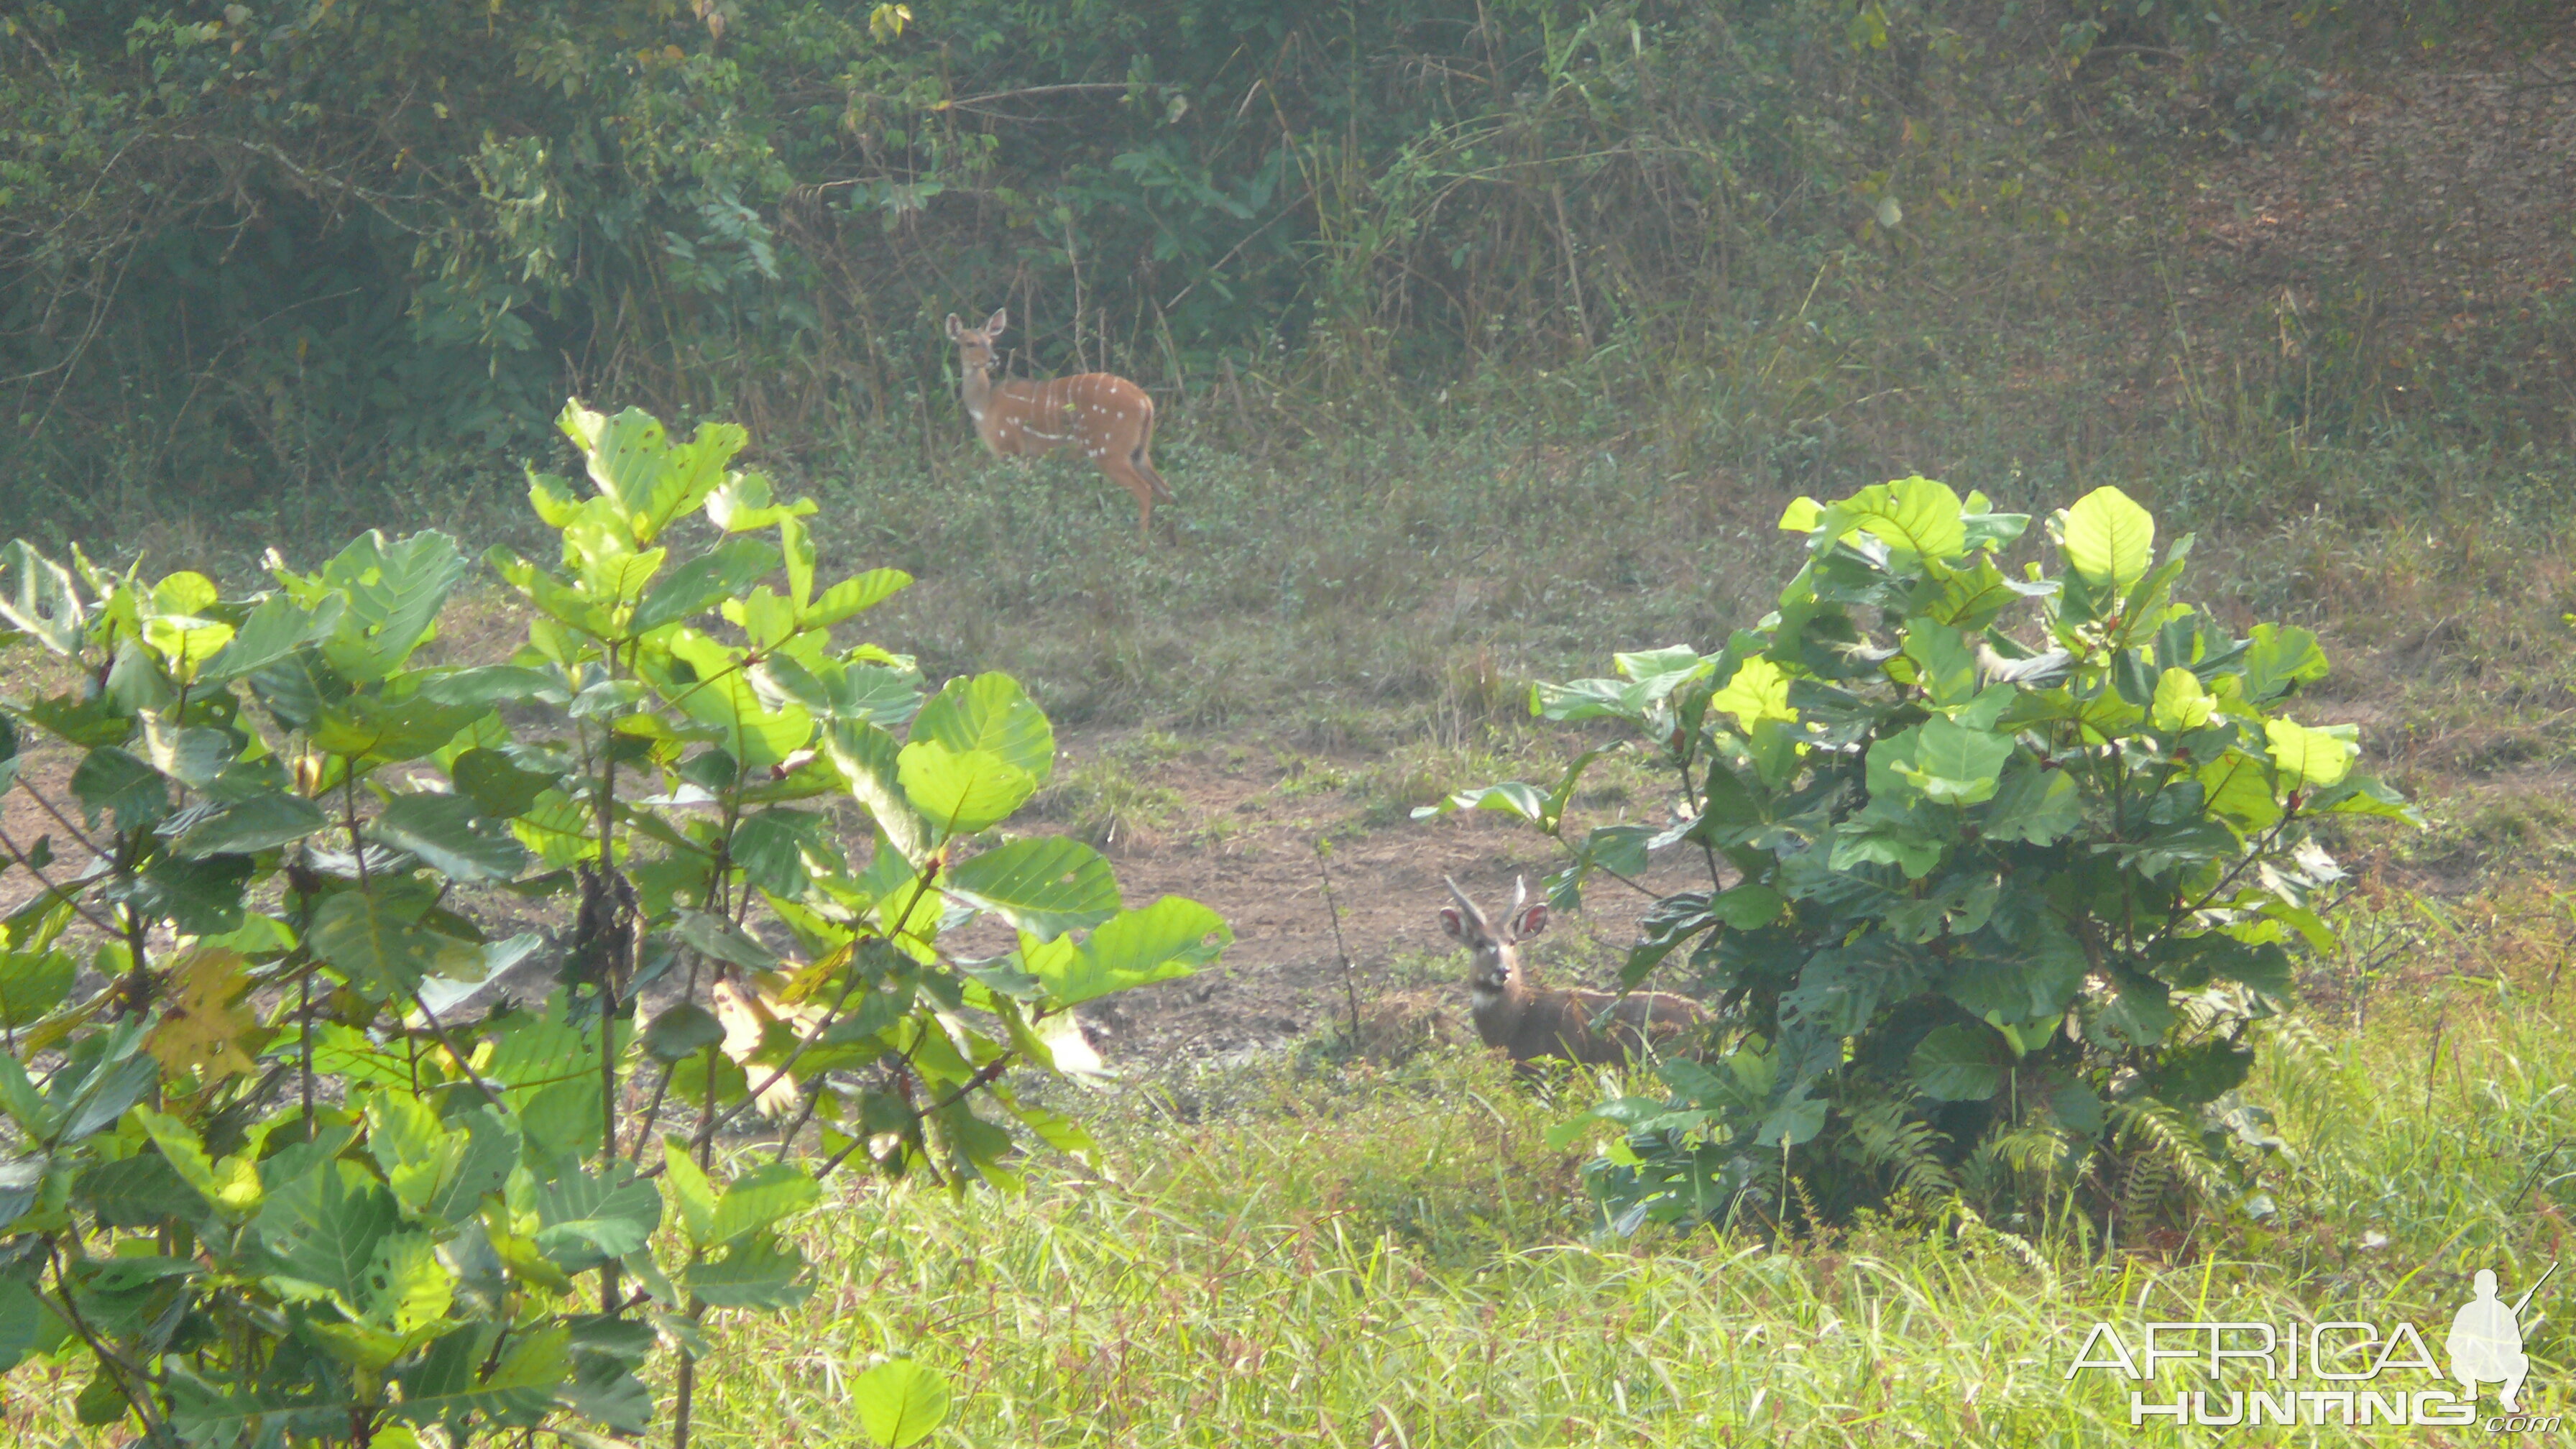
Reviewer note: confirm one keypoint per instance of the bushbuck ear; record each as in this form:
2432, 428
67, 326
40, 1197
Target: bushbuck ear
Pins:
994, 324
1453, 923
1530, 922
954, 326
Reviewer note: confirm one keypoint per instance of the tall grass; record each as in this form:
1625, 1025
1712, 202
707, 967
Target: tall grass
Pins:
1400, 1261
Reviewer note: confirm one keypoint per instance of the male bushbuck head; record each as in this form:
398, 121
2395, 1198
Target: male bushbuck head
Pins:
1530, 1021
1109, 418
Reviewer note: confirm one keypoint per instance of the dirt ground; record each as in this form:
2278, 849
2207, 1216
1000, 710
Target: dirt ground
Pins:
1231, 841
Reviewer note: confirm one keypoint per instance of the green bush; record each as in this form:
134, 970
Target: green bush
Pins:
269, 1186
1987, 919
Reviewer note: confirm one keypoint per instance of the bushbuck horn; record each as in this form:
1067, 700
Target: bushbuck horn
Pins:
1530, 1022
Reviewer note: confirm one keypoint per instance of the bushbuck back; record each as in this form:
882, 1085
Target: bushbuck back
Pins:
1529, 1021
1109, 418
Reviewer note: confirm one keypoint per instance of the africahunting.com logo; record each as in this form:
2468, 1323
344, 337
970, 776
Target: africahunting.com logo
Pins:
2340, 1372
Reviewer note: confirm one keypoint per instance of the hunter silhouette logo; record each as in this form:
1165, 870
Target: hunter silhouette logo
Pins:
2337, 1372
2486, 1340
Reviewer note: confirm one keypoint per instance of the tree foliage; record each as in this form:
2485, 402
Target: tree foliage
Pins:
265, 1180
1988, 920
247, 243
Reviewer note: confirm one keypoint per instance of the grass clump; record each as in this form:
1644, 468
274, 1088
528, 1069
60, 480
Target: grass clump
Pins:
1400, 1258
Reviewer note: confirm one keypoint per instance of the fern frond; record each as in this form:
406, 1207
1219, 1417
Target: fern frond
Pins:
1895, 1141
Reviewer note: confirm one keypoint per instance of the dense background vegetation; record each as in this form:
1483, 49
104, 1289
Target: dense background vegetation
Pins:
259, 257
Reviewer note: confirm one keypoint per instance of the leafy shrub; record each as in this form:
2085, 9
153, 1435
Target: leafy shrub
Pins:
262, 1179
1987, 920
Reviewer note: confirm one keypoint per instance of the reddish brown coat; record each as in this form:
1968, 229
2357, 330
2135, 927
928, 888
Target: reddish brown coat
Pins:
1103, 416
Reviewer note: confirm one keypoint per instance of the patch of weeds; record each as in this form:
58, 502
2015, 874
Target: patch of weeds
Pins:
1301, 774
1105, 800
1408, 970
2520, 829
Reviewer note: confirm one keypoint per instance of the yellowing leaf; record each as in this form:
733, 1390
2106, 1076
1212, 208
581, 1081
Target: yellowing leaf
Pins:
2108, 538
747, 1013
2181, 704
1801, 515
1758, 691
2312, 757
203, 1027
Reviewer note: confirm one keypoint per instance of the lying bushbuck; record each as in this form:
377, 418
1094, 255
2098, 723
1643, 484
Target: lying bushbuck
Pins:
1530, 1022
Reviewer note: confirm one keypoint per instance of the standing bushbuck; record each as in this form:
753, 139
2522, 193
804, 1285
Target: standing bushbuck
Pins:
1109, 418
1530, 1022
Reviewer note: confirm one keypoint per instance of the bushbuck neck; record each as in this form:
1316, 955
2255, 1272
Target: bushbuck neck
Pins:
1109, 419
1529, 1021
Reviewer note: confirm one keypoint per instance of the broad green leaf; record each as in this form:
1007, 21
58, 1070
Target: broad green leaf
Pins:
855, 595
1168, 939
760, 1197
589, 1219
869, 759
1916, 515
32, 983
44, 601
111, 1087
703, 582
262, 822
1884, 837
324, 1225
2277, 659
1956, 1064
22, 1318
1757, 691
22, 1102
741, 503
275, 628
961, 792
1044, 885
900, 1402
989, 712
2108, 539
2032, 804
496, 785
363, 727
111, 781
719, 939
753, 1273
682, 1029
394, 592
374, 941
408, 1288
1798, 1118
1661, 671
691, 1192
2181, 704
483, 685
448, 835
449, 1380
723, 696
1747, 906
1511, 797
1952, 764
2238, 789
2311, 757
